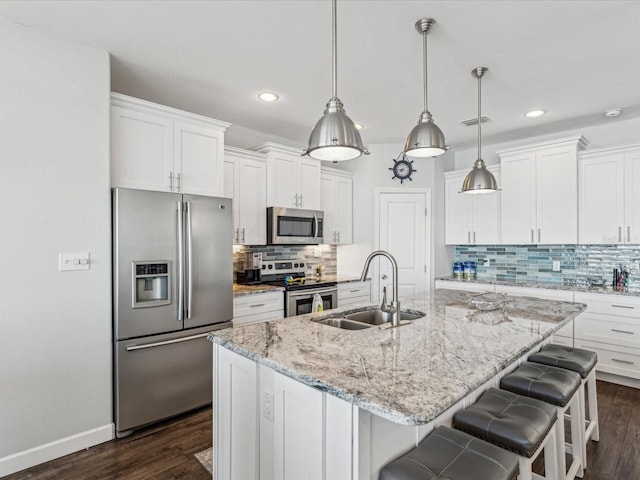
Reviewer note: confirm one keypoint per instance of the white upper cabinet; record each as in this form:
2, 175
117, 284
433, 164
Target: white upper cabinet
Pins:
293, 181
337, 204
539, 202
154, 147
471, 219
609, 195
245, 182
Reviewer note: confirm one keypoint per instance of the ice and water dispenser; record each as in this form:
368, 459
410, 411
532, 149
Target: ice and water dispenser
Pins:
151, 284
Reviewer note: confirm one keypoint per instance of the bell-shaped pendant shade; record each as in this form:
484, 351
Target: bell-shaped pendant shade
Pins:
335, 136
425, 139
479, 179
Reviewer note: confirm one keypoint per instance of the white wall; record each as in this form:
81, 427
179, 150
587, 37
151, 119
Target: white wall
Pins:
55, 327
371, 172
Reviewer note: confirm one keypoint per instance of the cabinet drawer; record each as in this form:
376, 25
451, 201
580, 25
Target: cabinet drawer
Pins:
608, 329
345, 302
546, 293
353, 290
560, 340
617, 305
258, 317
462, 285
258, 303
616, 360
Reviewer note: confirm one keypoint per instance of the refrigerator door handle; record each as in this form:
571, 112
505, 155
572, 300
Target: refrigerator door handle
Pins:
189, 263
180, 266
167, 342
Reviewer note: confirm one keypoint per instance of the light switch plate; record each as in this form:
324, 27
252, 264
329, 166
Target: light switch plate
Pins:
73, 261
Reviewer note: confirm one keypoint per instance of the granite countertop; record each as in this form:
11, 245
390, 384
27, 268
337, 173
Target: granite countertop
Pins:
239, 290
410, 374
629, 291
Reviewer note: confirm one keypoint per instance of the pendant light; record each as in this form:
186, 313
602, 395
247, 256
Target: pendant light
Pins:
426, 139
479, 179
335, 136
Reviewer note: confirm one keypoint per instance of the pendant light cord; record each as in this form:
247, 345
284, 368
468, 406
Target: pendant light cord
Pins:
479, 117
424, 46
335, 49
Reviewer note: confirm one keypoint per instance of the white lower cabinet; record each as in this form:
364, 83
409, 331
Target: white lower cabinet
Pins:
350, 293
258, 307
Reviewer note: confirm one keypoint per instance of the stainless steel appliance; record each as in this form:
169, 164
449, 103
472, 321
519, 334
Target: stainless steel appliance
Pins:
299, 290
294, 226
252, 273
172, 284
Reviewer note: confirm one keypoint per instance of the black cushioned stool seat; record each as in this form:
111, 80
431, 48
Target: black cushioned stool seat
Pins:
550, 384
506, 419
569, 358
449, 454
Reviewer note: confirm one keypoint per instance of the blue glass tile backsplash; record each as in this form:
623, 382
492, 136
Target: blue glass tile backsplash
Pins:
534, 263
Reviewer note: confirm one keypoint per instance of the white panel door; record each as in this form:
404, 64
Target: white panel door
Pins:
458, 212
198, 159
601, 202
282, 189
556, 196
235, 407
403, 233
252, 202
632, 197
309, 182
518, 212
298, 430
141, 149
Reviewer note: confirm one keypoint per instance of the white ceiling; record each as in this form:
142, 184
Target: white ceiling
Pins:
574, 59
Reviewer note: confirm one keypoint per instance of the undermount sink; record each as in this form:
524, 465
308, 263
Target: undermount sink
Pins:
366, 319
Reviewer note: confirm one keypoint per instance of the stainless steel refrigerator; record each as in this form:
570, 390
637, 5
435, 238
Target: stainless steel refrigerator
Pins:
172, 284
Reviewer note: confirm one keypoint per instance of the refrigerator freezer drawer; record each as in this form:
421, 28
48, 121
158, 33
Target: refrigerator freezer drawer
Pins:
161, 376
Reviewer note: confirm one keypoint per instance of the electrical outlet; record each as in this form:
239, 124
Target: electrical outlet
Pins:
267, 405
317, 252
556, 265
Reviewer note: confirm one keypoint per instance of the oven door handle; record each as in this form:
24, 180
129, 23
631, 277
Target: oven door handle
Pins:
312, 292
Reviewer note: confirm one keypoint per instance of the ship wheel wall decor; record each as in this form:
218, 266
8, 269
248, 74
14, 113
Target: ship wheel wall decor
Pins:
402, 168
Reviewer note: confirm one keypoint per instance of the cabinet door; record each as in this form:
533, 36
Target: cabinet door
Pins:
344, 188
602, 199
282, 187
556, 196
251, 199
518, 210
141, 149
632, 197
329, 205
457, 208
309, 181
298, 430
198, 159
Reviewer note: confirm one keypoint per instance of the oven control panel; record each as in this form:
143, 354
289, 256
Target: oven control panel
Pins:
272, 267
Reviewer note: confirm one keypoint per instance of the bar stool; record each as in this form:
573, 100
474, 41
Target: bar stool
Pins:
560, 388
517, 423
582, 362
448, 453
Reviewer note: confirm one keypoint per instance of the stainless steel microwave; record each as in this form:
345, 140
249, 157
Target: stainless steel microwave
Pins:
294, 226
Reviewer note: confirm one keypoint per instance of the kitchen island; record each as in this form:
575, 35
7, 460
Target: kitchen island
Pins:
298, 399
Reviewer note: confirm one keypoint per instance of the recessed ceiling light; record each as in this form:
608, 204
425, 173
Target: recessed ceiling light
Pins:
268, 96
358, 126
534, 113
614, 112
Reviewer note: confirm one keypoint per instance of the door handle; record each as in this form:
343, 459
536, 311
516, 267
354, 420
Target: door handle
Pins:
315, 221
168, 342
189, 262
180, 260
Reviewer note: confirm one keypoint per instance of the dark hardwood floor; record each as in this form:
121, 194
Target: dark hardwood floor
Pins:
166, 451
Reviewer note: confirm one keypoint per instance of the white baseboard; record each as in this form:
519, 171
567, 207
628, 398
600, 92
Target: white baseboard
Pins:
620, 380
58, 448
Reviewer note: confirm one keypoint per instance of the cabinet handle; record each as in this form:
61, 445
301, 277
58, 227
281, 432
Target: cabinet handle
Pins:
622, 361
623, 306
619, 234
300, 200
628, 234
354, 291
296, 200
532, 235
237, 235
622, 331
257, 305
538, 235
468, 236
338, 236
242, 234
171, 181
474, 238
179, 179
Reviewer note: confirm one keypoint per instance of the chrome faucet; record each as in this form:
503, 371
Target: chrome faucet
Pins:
394, 308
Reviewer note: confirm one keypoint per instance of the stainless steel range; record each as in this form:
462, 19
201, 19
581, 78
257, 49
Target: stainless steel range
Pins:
299, 290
